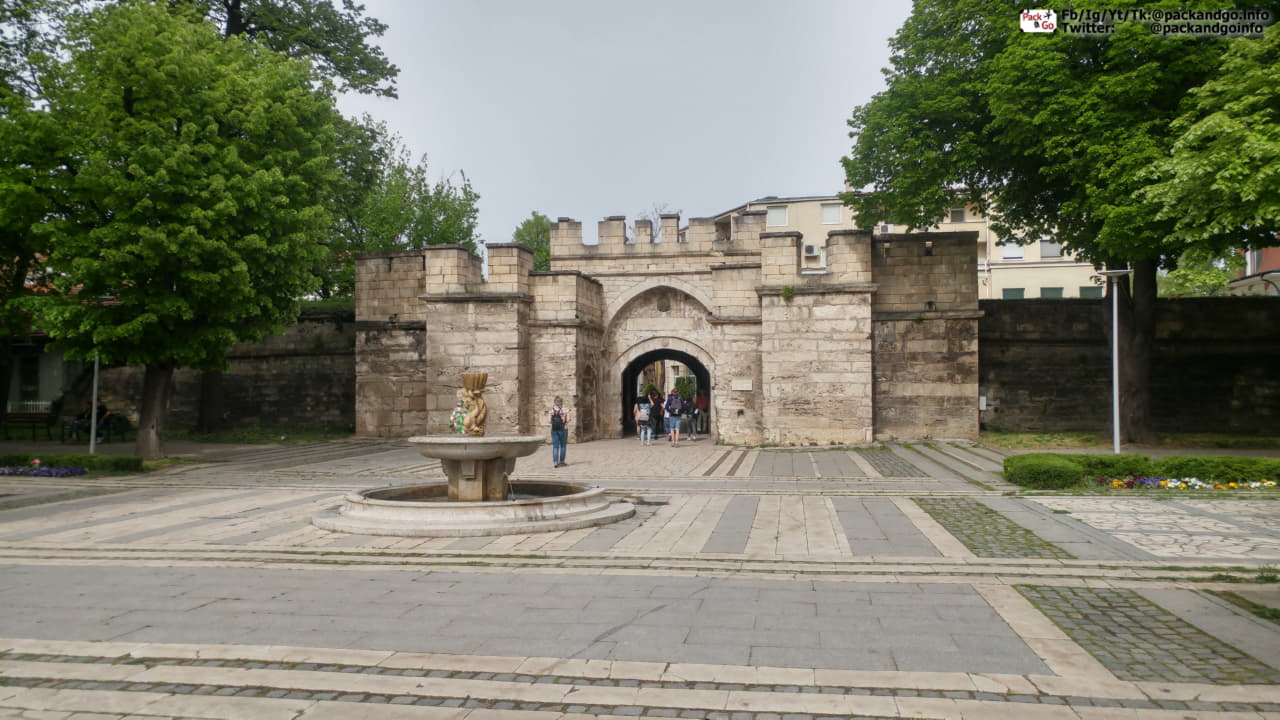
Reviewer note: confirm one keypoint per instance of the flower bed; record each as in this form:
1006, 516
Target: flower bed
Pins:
1161, 483
39, 469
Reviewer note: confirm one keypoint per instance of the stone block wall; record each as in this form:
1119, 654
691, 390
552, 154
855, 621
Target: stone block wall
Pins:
1046, 365
926, 377
390, 344
388, 285
301, 377
912, 277
565, 338
815, 349
815, 358
926, 327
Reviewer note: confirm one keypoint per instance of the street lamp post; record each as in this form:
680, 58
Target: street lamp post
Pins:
1112, 277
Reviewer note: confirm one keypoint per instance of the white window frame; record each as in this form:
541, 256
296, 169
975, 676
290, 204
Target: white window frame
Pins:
1011, 251
1004, 293
1095, 291
962, 212
1061, 292
826, 220
771, 215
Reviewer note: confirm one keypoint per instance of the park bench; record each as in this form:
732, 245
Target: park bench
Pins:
33, 421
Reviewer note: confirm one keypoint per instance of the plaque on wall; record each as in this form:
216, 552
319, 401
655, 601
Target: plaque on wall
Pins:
742, 386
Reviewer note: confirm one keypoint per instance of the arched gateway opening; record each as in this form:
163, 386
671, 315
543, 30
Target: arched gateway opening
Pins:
631, 376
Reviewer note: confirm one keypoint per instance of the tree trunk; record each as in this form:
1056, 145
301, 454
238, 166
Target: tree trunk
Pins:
209, 419
1137, 340
156, 385
235, 18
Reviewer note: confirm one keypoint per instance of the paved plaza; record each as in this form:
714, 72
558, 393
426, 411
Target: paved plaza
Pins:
906, 581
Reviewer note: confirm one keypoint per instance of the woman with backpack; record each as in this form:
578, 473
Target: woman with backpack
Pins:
673, 409
559, 432
642, 411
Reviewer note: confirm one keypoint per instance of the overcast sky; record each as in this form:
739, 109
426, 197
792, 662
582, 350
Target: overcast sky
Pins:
589, 108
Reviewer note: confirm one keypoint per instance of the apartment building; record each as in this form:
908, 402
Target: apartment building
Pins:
1005, 271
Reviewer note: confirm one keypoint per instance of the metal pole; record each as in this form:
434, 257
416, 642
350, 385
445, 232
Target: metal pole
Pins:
93, 409
1115, 368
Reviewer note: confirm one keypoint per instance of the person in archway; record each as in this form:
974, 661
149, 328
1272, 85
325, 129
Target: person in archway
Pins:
674, 410
559, 418
642, 411
656, 415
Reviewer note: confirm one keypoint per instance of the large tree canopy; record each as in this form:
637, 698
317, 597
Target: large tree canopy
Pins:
333, 37
1221, 185
189, 193
1051, 134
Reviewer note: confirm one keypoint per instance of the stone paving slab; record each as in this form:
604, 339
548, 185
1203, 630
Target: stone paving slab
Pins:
751, 585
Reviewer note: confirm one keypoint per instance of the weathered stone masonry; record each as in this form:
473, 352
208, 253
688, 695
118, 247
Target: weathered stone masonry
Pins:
839, 339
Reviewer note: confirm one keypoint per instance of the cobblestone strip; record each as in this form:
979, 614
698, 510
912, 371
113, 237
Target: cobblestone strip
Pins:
1138, 640
468, 698
888, 464
986, 532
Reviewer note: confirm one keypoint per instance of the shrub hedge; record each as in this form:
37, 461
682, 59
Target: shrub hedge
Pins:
1044, 471
116, 463
1048, 471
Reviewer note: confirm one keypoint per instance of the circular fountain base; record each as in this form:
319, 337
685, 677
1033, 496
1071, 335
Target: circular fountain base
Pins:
426, 511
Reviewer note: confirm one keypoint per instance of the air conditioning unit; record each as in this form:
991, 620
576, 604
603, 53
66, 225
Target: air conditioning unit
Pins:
811, 251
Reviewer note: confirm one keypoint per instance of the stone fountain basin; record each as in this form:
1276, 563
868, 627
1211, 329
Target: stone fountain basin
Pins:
426, 511
466, 447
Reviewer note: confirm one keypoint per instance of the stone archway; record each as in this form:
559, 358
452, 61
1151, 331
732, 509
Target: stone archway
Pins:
672, 318
632, 371
627, 365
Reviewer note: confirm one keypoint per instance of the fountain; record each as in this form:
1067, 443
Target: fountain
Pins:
479, 498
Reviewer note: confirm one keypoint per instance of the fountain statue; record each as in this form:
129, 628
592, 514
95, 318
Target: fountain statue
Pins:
479, 497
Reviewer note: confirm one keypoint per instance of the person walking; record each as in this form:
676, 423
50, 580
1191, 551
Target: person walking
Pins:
559, 432
700, 404
674, 408
641, 413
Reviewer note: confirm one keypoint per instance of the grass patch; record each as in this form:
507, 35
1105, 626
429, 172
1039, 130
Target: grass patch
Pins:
262, 435
1263, 611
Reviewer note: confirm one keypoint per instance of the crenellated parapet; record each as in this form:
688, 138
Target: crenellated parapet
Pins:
616, 239
451, 270
388, 285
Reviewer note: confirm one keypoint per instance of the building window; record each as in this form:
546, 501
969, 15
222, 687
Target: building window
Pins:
1011, 294
886, 228
777, 216
1049, 248
1051, 292
831, 213
957, 215
1090, 291
1011, 251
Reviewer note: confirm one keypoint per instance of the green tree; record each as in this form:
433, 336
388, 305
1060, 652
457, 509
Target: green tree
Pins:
1220, 187
1199, 274
1050, 134
189, 195
535, 234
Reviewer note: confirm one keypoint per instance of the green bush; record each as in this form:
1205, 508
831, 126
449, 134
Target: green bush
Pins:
1218, 468
1044, 471
1113, 466
114, 463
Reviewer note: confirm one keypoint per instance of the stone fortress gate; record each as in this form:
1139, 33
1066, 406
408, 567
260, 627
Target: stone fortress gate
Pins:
842, 339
